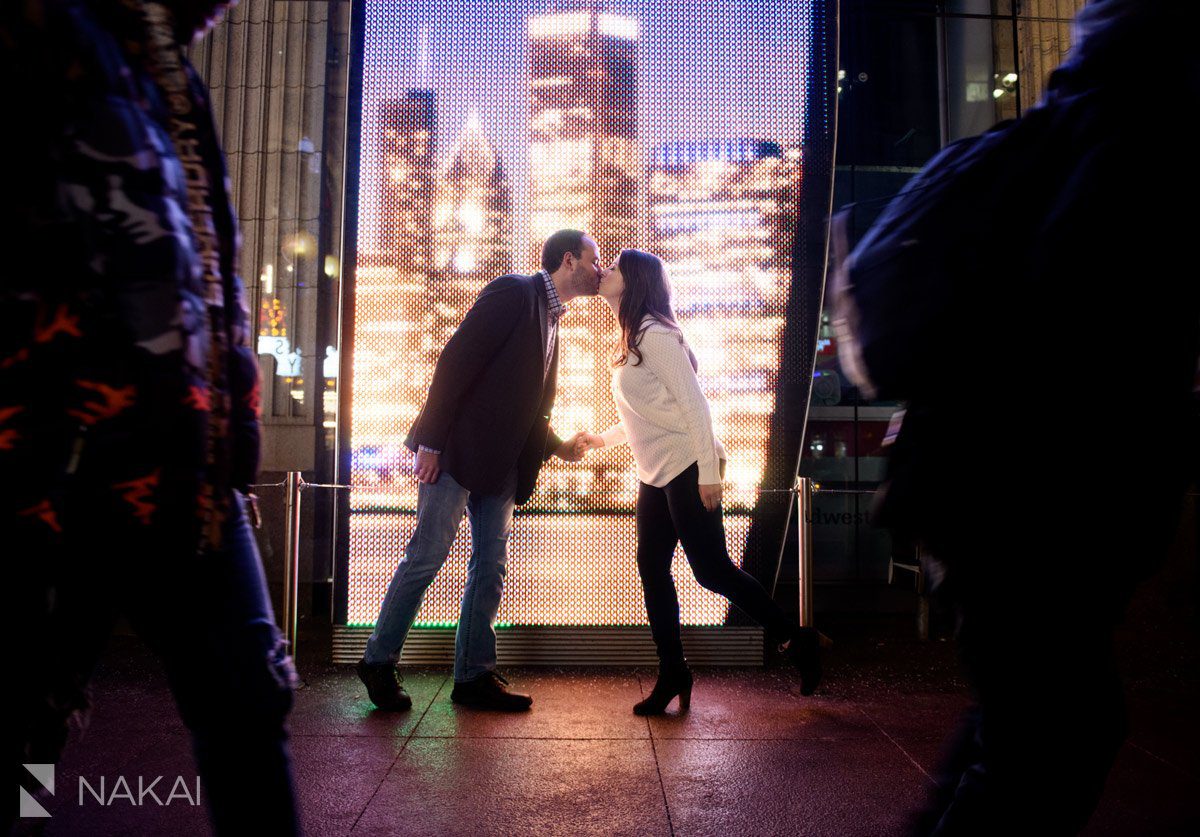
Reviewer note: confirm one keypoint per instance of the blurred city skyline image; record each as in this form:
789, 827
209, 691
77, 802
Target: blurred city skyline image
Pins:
486, 126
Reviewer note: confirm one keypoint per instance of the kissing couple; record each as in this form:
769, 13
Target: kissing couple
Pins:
484, 432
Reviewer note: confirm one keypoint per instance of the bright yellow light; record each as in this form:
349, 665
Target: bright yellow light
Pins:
586, 571
470, 215
300, 244
436, 227
464, 260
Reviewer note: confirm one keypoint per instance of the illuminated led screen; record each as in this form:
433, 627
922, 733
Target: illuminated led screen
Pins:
485, 126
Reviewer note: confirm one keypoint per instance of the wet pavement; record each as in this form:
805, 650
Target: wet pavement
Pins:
751, 757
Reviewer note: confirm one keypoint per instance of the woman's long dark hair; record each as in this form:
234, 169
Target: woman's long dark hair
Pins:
647, 292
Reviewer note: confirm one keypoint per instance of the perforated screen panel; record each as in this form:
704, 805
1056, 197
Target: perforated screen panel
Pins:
487, 125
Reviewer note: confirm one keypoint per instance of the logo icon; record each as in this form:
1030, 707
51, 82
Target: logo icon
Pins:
44, 773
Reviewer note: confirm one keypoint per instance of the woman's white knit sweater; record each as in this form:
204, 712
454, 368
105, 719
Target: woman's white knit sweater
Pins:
664, 414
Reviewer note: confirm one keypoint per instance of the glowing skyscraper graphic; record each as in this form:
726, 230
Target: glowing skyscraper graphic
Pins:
472, 227
406, 129
485, 126
392, 310
583, 174
721, 212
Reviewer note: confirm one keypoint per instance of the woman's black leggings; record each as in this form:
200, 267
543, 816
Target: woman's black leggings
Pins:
674, 513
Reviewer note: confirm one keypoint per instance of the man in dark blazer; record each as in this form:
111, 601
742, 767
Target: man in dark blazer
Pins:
480, 440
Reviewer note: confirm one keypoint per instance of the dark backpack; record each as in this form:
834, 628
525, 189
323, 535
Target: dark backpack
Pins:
907, 283
911, 297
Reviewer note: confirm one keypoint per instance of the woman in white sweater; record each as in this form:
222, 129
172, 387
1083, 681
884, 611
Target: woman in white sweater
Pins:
665, 420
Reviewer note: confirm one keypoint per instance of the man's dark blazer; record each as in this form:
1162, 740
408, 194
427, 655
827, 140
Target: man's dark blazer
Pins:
488, 408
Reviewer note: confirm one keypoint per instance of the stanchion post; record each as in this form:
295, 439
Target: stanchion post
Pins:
291, 559
804, 493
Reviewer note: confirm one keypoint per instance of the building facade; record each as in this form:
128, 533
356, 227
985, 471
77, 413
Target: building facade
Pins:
915, 75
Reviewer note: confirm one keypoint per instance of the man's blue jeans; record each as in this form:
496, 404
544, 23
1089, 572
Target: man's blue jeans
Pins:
440, 508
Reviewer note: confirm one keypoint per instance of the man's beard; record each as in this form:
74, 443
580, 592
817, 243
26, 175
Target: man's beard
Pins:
588, 284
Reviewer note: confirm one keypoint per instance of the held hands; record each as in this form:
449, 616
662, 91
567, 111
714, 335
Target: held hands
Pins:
428, 465
569, 451
573, 449
586, 442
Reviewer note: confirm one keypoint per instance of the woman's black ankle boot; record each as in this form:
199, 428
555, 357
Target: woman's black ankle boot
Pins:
804, 650
672, 681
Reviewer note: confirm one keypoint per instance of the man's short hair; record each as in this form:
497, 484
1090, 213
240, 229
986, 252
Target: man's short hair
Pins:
558, 245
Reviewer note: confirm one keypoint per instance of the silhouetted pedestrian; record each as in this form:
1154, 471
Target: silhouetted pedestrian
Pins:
1032, 300
128, 399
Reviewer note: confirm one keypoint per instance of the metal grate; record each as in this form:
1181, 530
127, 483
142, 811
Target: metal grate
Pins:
562, 646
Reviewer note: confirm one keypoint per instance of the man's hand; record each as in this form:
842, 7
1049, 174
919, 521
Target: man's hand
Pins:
569, 450
710, 495
428, 466
585, 442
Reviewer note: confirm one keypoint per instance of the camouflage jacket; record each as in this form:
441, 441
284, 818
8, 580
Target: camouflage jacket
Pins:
104, 342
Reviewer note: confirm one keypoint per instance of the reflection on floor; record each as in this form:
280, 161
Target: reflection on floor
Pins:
752, 757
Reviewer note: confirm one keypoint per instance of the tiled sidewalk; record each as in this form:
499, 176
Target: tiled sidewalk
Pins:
752, 757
